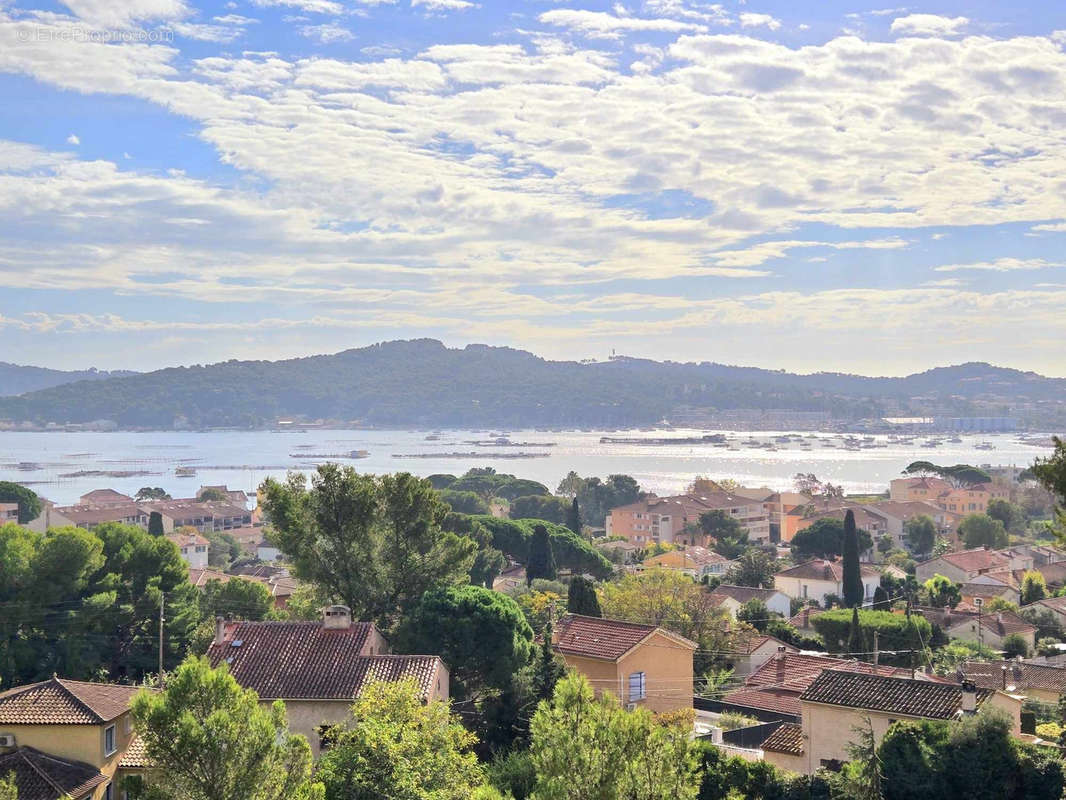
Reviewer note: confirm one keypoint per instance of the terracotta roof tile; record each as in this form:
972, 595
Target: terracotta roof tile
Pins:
782, 701
824, 570
62, 702
913, 698
1020, 675
40, 776
136, 755
786, 739
979, 560
610, 639
292, 660
742, 594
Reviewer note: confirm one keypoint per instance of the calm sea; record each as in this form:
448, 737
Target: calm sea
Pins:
63, 466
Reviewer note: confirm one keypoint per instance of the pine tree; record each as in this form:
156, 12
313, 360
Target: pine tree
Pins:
856, 644
548, 668
541, 562
155, 524
573, 517
581, 598
853, 589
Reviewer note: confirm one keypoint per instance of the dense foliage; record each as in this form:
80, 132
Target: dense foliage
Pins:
824, 538
480, 634
209, 739
28, 502
896, 632
980, 530
374, 542
396, 746
570, 550
86, 605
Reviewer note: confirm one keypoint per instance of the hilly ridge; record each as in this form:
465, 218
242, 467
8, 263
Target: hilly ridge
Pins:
423, 383
17, 379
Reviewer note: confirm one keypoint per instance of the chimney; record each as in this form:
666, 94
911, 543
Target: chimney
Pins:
336, 618
1004, 671
220, 630
969, 697
779, 659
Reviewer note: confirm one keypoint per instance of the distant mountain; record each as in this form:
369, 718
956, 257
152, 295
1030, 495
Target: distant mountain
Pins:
18, 379
423, 383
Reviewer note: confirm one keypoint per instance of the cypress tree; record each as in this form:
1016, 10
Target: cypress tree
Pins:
548, 668
853, 591
856, 644
573, 517
155, 524
881, 599
581, 598
541, 563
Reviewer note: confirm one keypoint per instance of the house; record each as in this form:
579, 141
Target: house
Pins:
781, 508
817, 579
920, 489
732, 598
318, 668
74, 732
193, 548
695, 561
50, 517
235, 496
988, 589
897, 514
801, 620
753, 649
1040, 682
963, 566
204, 516
9, 512
639, 664
101, 498
839, 701
773, 690
1056, 605
803, 517
671, 520
91, 516
987, 629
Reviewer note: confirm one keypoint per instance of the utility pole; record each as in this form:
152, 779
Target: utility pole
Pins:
162, 600
876, 651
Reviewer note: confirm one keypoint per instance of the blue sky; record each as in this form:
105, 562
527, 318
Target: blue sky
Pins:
795, 185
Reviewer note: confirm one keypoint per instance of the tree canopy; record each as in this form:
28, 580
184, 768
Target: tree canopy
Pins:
730, 537
854, 591
209, 739
581, 598
980, 530
397, 747
824, 538
28, 502
920, 533
482, 636
374, 542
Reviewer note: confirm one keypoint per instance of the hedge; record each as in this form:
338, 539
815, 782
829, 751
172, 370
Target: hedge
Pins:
571, 551
896, 632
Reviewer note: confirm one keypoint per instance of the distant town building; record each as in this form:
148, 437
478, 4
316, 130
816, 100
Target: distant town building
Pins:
671, 520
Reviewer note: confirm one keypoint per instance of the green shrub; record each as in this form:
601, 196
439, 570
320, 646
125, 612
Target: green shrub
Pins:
896, 632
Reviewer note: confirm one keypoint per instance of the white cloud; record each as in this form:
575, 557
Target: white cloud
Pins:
1000, 265
443, 5
310, 6
327, 33
123, 12
750, 20
1053, 227
603, 25
72, 139
928, 25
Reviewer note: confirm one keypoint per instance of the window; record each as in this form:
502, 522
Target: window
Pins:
637, 687
109, 740
109, 792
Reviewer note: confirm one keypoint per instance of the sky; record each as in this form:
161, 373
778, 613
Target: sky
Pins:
793, 184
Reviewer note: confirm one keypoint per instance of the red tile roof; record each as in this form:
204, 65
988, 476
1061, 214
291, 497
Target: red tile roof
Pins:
786, 739
742, 594
979, 560
303, 660
40, 776
609, 639
136, 755
62, 702
821, 569
912, 698
1020, 675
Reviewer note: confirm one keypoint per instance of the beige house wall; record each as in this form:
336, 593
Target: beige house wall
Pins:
829, 730
667, 668
83, 743
786, 761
